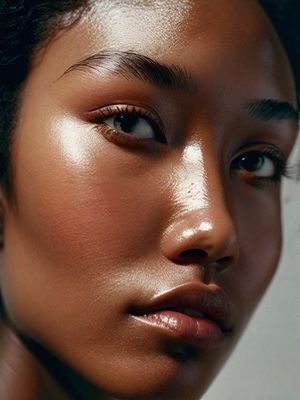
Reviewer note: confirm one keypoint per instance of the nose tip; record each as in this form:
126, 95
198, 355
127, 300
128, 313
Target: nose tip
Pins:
197, 239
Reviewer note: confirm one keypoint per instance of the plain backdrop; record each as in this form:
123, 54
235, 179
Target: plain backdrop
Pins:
266, 363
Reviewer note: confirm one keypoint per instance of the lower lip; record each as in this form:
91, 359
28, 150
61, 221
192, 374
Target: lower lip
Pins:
195, 330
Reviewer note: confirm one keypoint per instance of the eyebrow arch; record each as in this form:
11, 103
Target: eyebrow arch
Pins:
272, 110
132, 65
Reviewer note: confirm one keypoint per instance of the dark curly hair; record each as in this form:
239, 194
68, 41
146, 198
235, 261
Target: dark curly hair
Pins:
25, 25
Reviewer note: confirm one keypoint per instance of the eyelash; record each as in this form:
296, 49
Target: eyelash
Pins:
275, 155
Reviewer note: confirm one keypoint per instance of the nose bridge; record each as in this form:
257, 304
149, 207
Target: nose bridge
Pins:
198, 186
202, 225
190, 181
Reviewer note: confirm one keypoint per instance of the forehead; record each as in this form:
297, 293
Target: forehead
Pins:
224, 39
157, 23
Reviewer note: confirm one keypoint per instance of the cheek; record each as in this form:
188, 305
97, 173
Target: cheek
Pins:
260, 244
88, 193
85, 216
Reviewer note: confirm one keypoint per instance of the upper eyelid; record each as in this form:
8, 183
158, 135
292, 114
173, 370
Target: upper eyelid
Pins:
262, 147
259, 143
115, 109
266, 153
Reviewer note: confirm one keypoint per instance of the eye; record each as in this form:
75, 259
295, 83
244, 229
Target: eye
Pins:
133, 124
126, 124
257, 164
265, 165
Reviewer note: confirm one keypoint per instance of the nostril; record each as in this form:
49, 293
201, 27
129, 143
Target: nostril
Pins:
193, 254
201, 256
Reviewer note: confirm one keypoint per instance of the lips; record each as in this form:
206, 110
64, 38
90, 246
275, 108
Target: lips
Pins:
194, 313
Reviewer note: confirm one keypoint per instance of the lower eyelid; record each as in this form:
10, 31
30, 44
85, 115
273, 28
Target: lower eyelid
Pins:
123, 139
114, 135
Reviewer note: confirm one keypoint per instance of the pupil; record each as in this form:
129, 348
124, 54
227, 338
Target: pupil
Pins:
252, 162
126, 122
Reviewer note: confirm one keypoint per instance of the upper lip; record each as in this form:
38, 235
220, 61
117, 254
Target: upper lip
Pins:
210, 300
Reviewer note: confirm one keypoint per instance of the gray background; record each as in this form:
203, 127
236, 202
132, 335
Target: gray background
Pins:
266, 363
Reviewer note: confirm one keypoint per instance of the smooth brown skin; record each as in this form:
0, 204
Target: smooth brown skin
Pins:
98, 227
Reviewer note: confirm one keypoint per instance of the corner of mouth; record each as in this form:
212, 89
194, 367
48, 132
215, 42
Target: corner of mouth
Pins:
227, 331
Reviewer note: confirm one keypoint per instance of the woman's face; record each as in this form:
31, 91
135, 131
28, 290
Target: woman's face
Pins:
147, 219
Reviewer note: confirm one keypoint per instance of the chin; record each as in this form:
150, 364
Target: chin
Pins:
185, 375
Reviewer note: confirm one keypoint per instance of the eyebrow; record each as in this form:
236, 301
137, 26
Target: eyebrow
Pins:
132, 65
272, 110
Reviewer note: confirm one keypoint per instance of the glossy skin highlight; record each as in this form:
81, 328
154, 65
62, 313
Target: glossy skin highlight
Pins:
102, 223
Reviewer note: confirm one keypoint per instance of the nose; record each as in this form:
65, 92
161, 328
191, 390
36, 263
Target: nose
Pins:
206, 236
